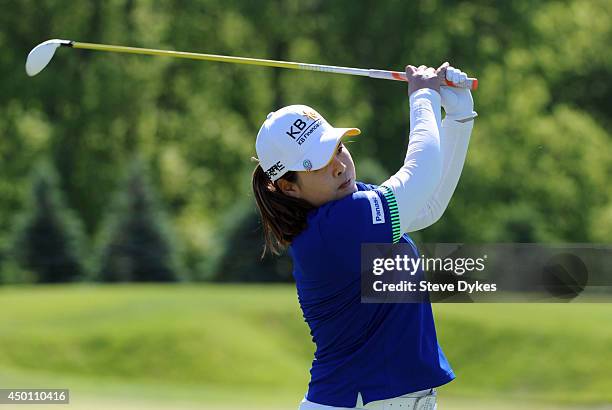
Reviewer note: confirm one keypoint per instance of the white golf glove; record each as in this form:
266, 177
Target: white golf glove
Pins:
457, 102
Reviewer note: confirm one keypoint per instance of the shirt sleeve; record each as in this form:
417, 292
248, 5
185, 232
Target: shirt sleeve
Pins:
412, 186
364, 217
454, 141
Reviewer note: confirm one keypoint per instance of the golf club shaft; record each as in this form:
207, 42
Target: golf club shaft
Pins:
471, 83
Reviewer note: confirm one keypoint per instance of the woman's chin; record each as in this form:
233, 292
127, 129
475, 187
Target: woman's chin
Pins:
351, 189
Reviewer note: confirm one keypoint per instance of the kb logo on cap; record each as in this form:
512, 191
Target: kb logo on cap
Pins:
302, 126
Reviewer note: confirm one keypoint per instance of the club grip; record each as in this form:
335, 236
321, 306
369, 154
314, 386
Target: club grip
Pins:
471, 83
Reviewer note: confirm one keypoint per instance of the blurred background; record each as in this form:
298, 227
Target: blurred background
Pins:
130, 247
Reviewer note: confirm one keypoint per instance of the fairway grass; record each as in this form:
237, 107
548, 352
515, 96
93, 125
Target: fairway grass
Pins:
243, 346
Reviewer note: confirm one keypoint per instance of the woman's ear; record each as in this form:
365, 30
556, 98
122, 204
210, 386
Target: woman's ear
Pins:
289, 188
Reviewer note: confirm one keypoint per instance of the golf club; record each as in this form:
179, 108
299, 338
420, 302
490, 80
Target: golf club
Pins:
40, 56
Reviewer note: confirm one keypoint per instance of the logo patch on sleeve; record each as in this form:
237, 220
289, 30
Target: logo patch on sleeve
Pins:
376, 206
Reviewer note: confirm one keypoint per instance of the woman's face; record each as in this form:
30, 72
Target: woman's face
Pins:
334, 181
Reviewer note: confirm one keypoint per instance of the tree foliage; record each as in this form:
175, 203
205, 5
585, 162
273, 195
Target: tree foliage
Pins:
136, 245
48, 237
241, 251
541, 152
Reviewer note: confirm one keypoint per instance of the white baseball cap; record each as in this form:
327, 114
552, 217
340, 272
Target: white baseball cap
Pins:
297, 138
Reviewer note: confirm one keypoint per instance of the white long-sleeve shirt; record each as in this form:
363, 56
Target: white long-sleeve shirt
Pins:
424, 185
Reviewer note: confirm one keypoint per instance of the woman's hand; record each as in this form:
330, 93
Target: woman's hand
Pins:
457, 102
423, 77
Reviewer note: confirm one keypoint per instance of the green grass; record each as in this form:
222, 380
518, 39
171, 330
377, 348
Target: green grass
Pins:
558, 352
245, 345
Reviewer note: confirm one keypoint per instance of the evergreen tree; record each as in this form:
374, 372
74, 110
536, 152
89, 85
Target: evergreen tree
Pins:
136, 242
241, 249
48, 236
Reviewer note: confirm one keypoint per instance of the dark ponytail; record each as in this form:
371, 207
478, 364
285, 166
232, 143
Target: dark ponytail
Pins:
282, 217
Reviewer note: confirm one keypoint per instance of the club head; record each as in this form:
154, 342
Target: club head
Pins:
40, 55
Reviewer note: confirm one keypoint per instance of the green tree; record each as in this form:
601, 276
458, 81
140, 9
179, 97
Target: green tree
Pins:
48, 236
136, 244
241, 248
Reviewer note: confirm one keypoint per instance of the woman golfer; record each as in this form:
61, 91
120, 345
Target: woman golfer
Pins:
368, 356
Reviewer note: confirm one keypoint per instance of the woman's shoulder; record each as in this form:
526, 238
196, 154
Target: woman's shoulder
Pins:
358, 217
334, 211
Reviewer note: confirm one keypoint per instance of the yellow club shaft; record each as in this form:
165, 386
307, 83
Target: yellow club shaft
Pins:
188, 55
472, 83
